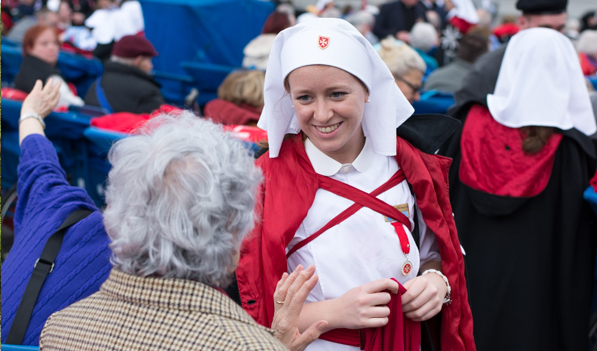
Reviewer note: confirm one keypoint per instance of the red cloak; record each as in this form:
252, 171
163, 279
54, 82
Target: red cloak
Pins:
281, 211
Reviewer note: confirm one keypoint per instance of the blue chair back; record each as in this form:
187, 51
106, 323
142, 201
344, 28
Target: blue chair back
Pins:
79, 70
99, 143
433, 102
11, 62
208, 77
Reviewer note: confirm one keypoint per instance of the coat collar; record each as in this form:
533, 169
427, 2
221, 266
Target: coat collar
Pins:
173, 294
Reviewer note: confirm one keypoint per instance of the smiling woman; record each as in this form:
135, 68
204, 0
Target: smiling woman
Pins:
337, 195
329, 104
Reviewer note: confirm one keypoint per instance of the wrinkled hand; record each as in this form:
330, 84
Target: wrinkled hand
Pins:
424, 297
364, 306
42, 100
293, 289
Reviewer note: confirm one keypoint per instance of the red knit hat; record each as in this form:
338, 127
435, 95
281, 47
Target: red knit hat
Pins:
131, 46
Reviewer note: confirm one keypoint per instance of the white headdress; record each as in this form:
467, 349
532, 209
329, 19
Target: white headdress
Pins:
541, 84
332, 42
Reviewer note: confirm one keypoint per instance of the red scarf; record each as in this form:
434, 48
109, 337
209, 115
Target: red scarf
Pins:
493, 160
293, 183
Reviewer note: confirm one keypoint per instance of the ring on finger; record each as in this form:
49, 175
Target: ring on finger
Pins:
280, 302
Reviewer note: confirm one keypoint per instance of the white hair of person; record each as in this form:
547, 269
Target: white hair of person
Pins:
540, 83
400, 58
180, 197
587, 42
485, 18
361, 18
423, 36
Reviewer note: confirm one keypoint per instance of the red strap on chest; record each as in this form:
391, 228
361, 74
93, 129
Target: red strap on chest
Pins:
361, 199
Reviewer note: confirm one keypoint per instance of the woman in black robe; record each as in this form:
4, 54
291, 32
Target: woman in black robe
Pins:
521, 164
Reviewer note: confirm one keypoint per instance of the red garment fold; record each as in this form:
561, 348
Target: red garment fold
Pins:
400, 334
493, 160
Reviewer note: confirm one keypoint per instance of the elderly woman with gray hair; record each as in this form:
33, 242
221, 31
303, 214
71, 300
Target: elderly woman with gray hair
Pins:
180, 201
406, 65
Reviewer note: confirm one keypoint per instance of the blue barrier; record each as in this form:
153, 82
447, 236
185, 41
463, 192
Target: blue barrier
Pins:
433, 102
68, 125
8, 347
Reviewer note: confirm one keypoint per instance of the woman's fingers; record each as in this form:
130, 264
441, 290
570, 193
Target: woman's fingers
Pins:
300, 289
381, 285
282, 289
277, 306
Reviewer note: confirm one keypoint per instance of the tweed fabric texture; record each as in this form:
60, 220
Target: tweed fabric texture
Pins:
135, 313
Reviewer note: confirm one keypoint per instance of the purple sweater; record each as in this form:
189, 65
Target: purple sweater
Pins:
45, 199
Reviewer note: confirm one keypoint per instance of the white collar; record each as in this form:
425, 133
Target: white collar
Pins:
327, 166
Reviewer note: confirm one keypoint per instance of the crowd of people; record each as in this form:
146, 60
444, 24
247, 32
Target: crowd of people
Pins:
359, 225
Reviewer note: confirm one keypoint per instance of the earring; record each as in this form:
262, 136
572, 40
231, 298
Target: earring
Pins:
368, 101
292, 106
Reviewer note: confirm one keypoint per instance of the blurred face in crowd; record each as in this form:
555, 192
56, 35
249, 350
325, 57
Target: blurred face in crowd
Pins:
46, 47
64, 13
410, 84
329, 104
144, 63
555, 22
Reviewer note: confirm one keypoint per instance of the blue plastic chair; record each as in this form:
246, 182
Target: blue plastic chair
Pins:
64, 130
99, 143
184, 81
433, 101
208, 77
79, 70
11, 62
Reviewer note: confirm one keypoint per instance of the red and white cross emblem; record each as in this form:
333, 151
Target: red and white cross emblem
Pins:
323, 42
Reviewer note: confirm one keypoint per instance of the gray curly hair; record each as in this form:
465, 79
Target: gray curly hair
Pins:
180, 198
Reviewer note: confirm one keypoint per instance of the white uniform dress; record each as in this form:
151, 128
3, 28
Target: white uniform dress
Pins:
365, 247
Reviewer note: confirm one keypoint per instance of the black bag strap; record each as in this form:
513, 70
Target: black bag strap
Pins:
43, 266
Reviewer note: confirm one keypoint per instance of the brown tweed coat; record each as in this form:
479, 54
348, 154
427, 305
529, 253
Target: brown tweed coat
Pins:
134, 313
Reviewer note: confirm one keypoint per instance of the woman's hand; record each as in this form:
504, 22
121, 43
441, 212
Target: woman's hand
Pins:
424, 297
364, 306
289, 299
42, 101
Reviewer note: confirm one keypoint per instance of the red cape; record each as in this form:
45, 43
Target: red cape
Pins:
281, 211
